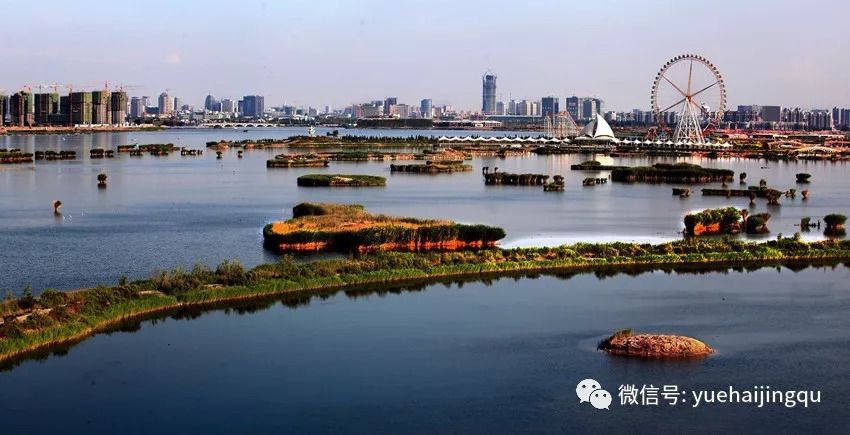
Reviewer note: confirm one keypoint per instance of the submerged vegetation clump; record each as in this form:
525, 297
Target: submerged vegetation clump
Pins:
803, 177
557, 184
100, 153
726, 220
757, 223
590, 181
594, 165
296, 161
15, 156
158, 149
350, 228
495, 177
433, 167
835, 224
340, 180
55, 155
671, 173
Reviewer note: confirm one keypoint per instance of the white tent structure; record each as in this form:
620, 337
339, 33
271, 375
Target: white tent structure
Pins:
597, 130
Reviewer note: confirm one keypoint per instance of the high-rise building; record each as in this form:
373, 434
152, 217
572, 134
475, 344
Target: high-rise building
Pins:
771, 113
500, 108
573, 106
525, 108
845, 117
4, 101
389, 101
426, 108
81, 108
588, 108
209, 102
227, 105
549, 106
488, 99
512, 107
100, 107
166, 104
146, 101
21, 109
253, 106
400, 110
45, 105
137, 107
118, 107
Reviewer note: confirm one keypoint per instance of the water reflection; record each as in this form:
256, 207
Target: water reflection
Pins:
168, 211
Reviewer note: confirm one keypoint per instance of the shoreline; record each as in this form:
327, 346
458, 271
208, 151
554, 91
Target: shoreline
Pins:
40, 131
156, 302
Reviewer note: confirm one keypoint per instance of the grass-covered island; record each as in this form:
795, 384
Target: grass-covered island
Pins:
671, 173
626, 343
340, 180
433, 167
55, 155
32, 324
726, 220
495, 177
594, 165
297, 161
15, 156
350, 228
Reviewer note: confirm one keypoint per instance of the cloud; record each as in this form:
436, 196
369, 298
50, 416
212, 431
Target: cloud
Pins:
173, 59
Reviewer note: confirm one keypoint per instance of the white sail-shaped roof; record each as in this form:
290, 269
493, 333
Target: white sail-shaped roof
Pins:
598, 129
587, 131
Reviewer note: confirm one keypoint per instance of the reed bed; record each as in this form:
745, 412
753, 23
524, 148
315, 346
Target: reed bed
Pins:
340, 180
433, 167
671, 173
297, 161
30, 323
350, 228
725, 220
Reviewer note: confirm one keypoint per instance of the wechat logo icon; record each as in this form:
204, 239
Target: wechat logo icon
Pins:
589, 390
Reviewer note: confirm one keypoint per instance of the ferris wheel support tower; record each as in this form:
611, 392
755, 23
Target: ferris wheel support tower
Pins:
691, 86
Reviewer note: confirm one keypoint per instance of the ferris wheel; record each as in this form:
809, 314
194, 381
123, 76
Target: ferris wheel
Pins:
692, 88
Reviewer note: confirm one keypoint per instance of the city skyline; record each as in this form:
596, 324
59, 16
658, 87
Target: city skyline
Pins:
324, 48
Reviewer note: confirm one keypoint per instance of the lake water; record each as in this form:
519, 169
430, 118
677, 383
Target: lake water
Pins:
496, 357
161, 212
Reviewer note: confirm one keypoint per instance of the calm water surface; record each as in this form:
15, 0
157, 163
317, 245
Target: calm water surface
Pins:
498, 357
161, 212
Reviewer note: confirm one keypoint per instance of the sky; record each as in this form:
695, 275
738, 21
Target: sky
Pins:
324, 52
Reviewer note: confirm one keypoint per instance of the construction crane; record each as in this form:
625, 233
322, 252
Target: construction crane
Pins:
71, 87
123, 87
55, 87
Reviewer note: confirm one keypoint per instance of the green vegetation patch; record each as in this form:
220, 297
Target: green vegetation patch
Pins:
350, 228
31, 323
433, 167
340, 180
727, 220
297, 161
671, 173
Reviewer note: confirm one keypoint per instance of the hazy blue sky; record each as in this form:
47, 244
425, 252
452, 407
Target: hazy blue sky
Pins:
315, 52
